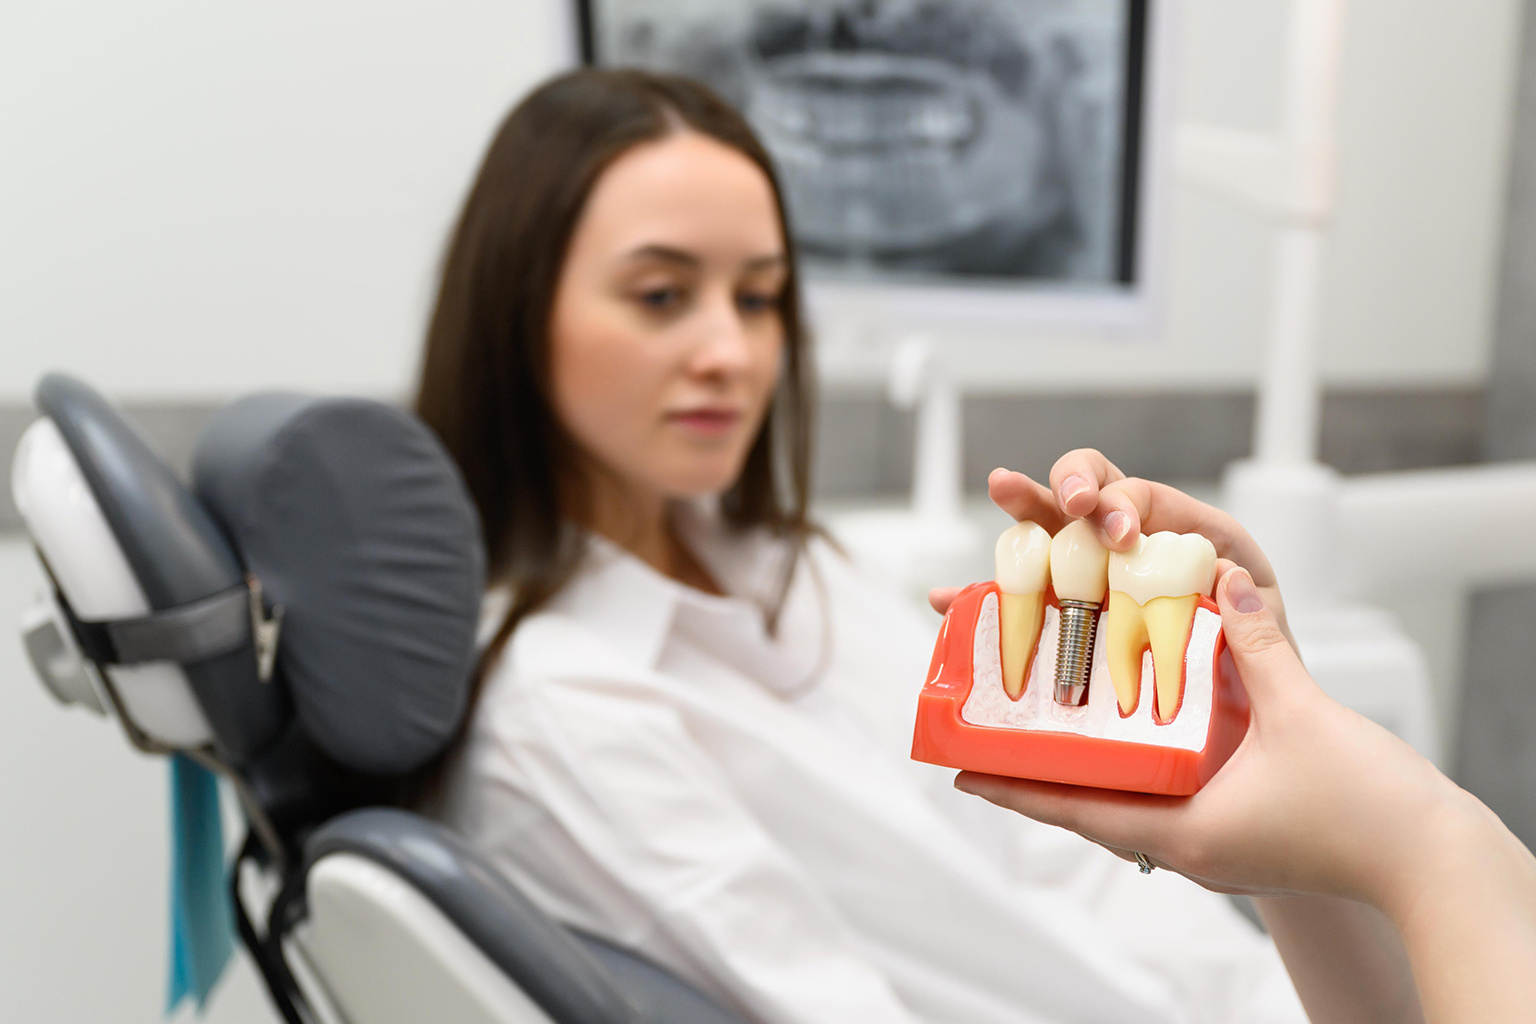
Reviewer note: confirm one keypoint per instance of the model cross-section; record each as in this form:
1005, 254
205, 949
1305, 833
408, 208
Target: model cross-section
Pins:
1147, 699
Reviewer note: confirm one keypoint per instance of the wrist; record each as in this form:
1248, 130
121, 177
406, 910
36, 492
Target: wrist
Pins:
1468, 922
1455, 840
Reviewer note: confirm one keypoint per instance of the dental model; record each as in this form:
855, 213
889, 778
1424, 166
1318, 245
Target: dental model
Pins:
1145, 697
1079, 565
1023, 558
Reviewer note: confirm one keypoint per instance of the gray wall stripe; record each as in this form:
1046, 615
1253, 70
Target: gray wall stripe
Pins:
171, 428
866, 445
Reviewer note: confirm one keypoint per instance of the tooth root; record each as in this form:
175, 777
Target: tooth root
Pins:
1168, 622
1154, 591
1020, 618
1163, 624
1125, 639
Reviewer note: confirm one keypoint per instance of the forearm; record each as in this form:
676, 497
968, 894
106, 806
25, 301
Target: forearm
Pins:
1469, 923
1345, 958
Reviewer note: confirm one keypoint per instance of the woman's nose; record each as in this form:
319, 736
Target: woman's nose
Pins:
724, 347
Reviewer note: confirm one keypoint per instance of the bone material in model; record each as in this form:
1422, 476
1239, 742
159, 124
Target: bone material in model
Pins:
1080, 575
1100, 717
1153, 592
1023, 572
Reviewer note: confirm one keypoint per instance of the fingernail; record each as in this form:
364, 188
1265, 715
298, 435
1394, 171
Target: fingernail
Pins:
1242, 594
1117, 524
1071, 487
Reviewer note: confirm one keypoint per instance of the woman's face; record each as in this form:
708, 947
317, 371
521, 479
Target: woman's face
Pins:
665, 335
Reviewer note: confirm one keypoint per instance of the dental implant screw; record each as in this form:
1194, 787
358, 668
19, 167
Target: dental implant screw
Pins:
1074, 651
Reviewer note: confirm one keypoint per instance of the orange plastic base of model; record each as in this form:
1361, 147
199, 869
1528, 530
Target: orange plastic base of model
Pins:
943, 737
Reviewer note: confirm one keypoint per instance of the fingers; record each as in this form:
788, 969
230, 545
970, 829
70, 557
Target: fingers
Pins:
1022, 498
940, 598
1127, 821
1077, 477
1223, 566
1119, 511
1263, 656
1086, 485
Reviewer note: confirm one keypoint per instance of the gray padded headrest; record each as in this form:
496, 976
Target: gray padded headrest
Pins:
357, 523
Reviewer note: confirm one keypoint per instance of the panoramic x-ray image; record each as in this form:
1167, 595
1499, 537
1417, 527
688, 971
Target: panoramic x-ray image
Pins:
978, 139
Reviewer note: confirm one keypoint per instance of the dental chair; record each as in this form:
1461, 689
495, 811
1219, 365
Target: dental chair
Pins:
302, 622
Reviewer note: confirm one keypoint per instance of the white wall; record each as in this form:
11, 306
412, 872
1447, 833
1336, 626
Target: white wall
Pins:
197, 198
1428, 107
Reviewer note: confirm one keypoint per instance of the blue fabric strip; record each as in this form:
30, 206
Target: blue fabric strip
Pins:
202, 920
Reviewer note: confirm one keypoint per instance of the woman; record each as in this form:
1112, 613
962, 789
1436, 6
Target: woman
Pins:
691, 733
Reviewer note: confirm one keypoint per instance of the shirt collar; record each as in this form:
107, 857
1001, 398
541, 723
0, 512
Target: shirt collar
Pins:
636, 608
622, 599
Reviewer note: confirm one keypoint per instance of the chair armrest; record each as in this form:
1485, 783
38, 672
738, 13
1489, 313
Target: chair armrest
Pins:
659, 997
574, 979
535, 953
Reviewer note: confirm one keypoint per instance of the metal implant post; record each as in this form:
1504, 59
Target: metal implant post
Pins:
1074, 651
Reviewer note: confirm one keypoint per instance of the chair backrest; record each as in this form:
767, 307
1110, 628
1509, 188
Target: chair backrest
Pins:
123, 539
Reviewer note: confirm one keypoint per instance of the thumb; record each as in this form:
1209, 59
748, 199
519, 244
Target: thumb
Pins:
1263, 656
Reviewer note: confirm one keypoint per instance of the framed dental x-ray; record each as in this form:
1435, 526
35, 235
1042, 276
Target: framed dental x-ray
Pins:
938, 154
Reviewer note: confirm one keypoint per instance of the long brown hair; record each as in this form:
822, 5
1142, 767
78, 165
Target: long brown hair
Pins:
485, 374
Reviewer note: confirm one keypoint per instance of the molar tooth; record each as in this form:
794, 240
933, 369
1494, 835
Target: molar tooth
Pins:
1023, 571
1154, 591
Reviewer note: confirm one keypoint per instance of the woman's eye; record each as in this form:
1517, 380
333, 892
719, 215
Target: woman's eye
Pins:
660, 300
757, 302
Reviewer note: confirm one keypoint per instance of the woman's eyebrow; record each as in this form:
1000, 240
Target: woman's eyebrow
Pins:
665, 253
683, 257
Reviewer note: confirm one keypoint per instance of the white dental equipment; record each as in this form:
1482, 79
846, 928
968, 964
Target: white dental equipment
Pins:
924, 542
1335, 540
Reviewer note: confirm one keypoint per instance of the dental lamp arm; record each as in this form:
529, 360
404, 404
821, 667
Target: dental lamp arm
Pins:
920, 382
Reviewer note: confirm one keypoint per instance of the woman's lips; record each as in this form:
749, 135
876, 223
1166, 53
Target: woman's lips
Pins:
710, 422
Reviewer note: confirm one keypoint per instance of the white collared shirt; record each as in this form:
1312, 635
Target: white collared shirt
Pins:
650, 765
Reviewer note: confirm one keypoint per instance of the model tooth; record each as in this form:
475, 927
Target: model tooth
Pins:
1079, 575
1154, 591
1079, 564
1023, 572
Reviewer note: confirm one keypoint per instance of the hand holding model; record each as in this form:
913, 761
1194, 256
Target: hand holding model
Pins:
1316, 799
